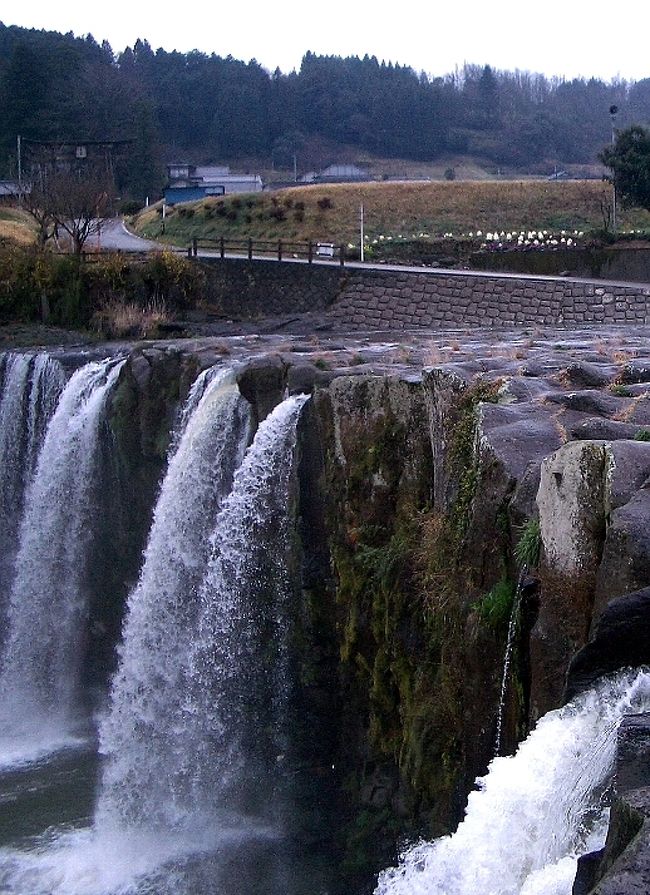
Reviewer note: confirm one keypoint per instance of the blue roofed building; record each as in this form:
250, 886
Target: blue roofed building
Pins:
189, 183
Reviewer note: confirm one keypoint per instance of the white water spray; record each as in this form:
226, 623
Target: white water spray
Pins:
535, 812
31, 385
40, 668
174, 775
174, 724
142, 734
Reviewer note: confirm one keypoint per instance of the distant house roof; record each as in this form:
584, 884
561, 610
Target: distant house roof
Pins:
207, 177
174, 195
334, 173
210, 172
342, 171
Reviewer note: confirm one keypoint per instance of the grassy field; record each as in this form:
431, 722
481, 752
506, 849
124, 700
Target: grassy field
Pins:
330, 213
16, 227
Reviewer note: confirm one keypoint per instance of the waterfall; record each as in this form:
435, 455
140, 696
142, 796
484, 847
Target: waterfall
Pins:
201, 666
507, 658
535, 812
142, 730
31, 385
40, 667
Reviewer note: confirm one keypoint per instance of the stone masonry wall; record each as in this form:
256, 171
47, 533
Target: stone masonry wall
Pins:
244, 289
396, 300
372, 298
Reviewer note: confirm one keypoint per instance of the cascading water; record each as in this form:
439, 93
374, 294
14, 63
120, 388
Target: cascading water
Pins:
142, 733
195, 723
31, 385
39, 676
507, 658
194, 732
535, 812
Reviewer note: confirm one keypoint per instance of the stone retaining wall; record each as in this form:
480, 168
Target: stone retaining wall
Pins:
401, 300
244, 289
369, 298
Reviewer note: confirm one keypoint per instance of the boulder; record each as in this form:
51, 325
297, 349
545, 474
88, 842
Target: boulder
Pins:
598, 428
625, 564
571, 504
591, 401
621, 639
262, 383
582, 374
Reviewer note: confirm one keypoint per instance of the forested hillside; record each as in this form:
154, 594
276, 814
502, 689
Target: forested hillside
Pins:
209, 109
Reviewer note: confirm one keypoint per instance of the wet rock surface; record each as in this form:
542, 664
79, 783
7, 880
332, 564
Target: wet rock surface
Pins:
435, 452
622, 867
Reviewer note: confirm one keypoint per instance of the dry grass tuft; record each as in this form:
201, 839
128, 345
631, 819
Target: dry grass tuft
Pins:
16, 227
121, 319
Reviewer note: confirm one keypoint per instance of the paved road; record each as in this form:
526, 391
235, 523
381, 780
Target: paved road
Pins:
114, 235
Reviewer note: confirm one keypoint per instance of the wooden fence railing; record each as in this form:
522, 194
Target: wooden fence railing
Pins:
277, 249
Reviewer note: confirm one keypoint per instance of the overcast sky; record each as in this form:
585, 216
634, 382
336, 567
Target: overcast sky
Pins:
573, 38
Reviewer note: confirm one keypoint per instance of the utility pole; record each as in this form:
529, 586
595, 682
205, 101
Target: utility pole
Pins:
20, 168
613, 111
361, 236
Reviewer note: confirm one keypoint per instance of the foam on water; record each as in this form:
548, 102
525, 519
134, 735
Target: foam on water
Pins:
114, 862
42, 656
535, 812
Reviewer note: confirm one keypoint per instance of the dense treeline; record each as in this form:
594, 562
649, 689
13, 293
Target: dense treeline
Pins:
208, 108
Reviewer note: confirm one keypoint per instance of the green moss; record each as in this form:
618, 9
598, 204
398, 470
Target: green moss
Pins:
621, 391
462, 459
404, 593
494, 609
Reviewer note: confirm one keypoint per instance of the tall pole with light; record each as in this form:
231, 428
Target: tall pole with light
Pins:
613, 112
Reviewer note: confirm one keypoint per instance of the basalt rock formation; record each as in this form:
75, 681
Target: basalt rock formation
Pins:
421, 472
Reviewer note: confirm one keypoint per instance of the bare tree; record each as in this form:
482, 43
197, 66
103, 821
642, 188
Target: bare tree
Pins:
32, 202
71, 201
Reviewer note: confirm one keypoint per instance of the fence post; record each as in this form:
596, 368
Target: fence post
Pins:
279, 250
222, 247
250, 249
342, 254
310, 251
195, 247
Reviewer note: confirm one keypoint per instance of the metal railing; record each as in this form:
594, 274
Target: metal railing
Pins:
278, 250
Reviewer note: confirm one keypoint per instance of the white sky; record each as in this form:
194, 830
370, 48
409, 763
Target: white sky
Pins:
573, 38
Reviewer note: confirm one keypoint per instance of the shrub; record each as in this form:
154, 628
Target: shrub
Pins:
325, 203
495, 607
642, 435
528, 546
130, 206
